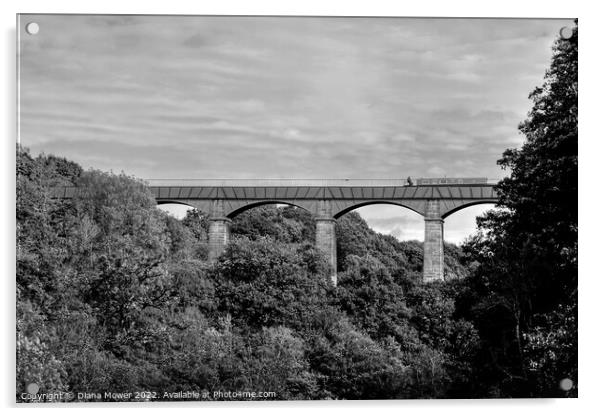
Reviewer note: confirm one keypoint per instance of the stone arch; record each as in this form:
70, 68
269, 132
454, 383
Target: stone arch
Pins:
415, 206
465, 204
201, 205
174, 202
235, 209
176, 208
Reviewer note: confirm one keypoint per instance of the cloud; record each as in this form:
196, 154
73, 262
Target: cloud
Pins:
405, 234
436, 171
402, 138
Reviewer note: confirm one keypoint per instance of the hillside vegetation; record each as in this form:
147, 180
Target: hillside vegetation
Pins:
113, 294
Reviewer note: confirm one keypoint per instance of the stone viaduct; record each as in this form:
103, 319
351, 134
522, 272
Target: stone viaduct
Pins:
327, 200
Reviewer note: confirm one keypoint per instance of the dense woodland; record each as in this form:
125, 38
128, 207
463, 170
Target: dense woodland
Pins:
115, 295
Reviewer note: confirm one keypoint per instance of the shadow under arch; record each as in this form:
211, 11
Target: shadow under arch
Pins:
467, 205
174, 202
346, 210
252, 205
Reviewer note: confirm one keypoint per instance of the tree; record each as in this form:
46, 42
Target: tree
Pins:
526, 254
541, 192
261, 283
196, 221
369, 295
119, 244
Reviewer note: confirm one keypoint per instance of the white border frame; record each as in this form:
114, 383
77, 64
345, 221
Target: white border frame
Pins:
589, 334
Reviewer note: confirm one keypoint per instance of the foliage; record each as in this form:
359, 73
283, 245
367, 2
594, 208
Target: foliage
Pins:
261, 283
522, 291
114, 294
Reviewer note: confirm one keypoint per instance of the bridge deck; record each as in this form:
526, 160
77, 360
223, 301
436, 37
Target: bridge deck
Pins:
475, 191
481, 191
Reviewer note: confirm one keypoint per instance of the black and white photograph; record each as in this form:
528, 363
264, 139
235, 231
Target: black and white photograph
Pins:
218, 208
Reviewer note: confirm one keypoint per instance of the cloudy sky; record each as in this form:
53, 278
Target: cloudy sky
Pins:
261, 97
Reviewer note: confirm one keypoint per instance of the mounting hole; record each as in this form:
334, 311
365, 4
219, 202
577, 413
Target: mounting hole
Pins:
566, 384
33, 388
566, 32
32, 28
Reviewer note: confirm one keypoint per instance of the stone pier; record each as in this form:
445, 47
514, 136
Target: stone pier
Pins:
219, 229
433, 242
326, 242
219, 236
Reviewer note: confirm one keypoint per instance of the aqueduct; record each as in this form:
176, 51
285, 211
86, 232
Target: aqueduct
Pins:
326, 200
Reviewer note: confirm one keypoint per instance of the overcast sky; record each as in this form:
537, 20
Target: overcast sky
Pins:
247, 97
